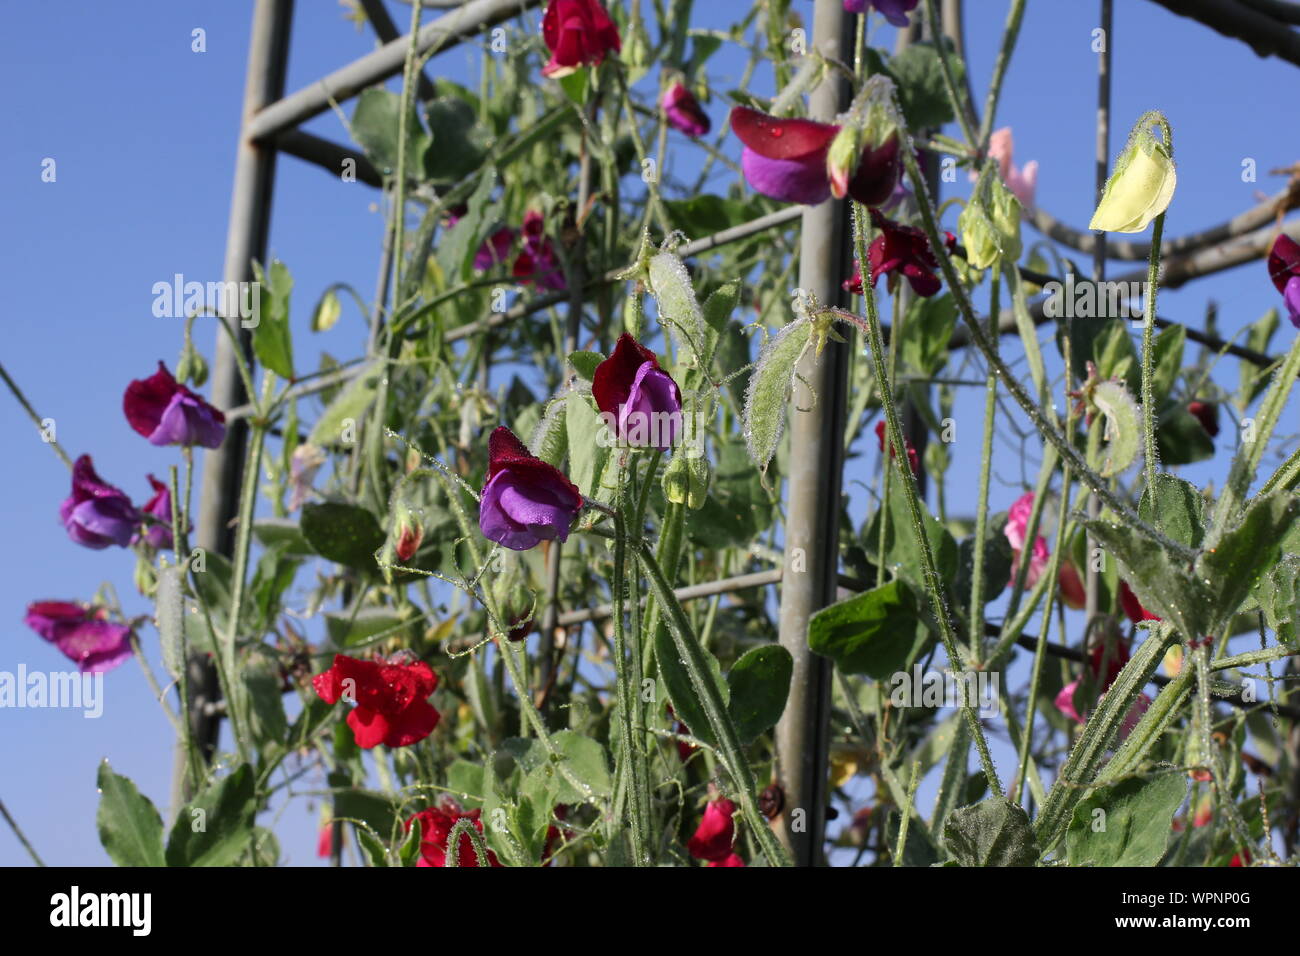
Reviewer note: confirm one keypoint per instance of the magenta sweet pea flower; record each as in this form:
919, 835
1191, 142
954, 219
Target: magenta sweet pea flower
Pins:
537, 262
159, 506
525, 499
81, 634
895, 11
578, 33
495, 249
167, 413
1112, 659
638, 398
683, 110
97, 514
786, 159
904, 250
714, 837
1284, 270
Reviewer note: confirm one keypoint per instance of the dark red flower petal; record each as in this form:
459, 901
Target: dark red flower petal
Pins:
780, 137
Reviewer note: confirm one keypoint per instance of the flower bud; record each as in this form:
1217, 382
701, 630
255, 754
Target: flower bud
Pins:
1142, 183
978, 235
686, 481
408, 531
843, 157
192, 368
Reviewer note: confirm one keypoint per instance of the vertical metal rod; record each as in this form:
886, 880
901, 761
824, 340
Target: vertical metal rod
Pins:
1092, 588
250, 212
812, 514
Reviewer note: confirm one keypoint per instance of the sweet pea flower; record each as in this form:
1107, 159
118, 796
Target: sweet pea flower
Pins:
96, 514
895, 11
495, 249
911, 452
1069, 586
167, 413
790, 159
525, 499
1023, 183
1113, 660
392, 699
159, 535
436, 824
638, 398
683, 110
1142, 183
578, 33
903, 250
537, 262
307, 459
730, 860
1284, 270
716, 833
82, 634
1132, 607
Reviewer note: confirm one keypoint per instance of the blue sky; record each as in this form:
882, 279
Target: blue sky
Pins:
143, 131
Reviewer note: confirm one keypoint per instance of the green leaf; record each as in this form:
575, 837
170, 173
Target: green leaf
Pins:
347, 409
1123, 432
1239, 559
272, 342
1168, 361
459, 141
215, 827
586, 454
375, 126
991, 833
130, 828
998, 558
1251, 380
375, 809
1180, 437
284, 532
1116, 356
681, 691
346, 534
902, 551
459, 244
926, 331
760, 684
1179, 510
576, 84
877, 633
327, 312
1160, 581
679, 312
1127, 824
584, 363
720, 304
586, 761
770, 387
922, 94
736, 508
349, 630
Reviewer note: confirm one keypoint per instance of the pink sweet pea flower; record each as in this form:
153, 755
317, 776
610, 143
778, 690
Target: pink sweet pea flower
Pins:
1021, 182
716, 833
82, 634
578, 33
167, 413
683, 110
159, 534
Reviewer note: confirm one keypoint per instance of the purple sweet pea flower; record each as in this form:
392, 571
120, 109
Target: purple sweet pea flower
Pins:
167, 413
538, 262
1284, 270
525, 500
895, 11
96, 514
641, 398
159, 534
494, 249
683, 110
96, 645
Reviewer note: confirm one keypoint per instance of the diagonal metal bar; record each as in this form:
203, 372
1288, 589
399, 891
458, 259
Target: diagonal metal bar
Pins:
1265, 35
384, 63
388, 31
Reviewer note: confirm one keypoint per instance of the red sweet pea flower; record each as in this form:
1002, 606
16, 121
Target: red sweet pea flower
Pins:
537, 261
578, 33
436, 824
167, 413
392, 699
1207, 414
1284, 270
911, 452
786, 158
731, 860
901, 249
716, 833
1132, 607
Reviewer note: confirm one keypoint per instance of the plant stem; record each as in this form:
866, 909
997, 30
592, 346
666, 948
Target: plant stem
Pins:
22, 838
1148, 368
975, 619
31, 412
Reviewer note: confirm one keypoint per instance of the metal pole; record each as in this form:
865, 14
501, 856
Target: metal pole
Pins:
250, 210
812, 516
